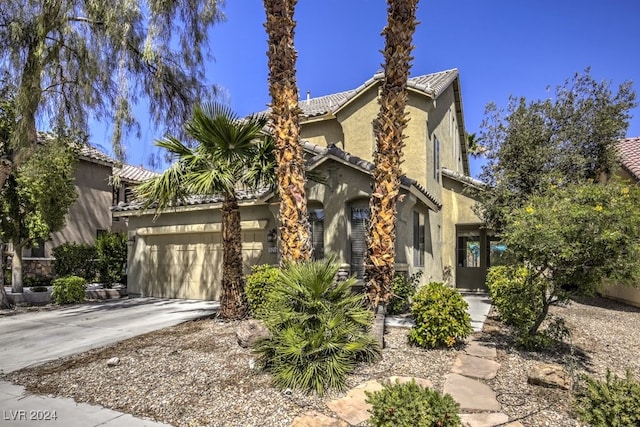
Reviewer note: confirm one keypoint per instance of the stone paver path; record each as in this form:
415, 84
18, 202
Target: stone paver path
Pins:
475, 367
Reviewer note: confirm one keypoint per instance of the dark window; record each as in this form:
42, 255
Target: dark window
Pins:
37, 251
128, 195
316, 221
419, 239
359, 223
436, 159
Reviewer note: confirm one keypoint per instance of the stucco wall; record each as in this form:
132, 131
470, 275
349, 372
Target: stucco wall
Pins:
91, 211
458, 208
323, 132
627, 294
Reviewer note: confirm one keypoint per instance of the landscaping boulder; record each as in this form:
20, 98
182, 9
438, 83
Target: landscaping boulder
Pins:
550, 375
250, 331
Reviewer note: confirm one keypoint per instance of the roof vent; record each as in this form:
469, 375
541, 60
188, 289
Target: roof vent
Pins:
308, 95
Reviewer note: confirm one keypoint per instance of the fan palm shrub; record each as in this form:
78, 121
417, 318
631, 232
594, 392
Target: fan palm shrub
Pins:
319, 328
229, 154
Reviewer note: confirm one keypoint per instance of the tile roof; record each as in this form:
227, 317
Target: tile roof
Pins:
462, 178
243, 195
430, 84
92, 154
321, 152
629, 149
133, 174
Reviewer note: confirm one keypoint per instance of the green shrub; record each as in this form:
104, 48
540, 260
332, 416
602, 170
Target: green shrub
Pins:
68, 290
515, 294
441, 316
408, 404
39, 288
111, 249
35, 281
320, 330
258, 285
403, 290
612, 403
75, 259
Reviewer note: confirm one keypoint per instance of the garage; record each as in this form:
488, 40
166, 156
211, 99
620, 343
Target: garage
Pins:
185, 261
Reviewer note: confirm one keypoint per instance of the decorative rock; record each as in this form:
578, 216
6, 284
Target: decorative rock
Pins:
114, 361
484, 420
352, 408
420, 381
475, 367
550, 375
470, 394
250, 331
316, 419
477, 349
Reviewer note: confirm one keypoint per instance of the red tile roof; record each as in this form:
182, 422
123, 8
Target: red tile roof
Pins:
630, 156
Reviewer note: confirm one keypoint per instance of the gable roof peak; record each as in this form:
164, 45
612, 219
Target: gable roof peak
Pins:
431, 85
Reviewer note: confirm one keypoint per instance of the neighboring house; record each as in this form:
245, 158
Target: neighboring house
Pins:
629, 149
179, 253
90, 215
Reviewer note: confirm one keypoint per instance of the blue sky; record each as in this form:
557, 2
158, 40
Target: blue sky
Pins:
500, 47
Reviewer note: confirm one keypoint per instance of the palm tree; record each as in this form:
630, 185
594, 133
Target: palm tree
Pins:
294, 223
388, 128
224, 158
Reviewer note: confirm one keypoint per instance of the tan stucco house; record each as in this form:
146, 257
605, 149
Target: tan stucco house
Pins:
179, 254
90, 215
629, 170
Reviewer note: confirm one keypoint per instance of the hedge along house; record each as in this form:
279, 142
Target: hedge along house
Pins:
179, 253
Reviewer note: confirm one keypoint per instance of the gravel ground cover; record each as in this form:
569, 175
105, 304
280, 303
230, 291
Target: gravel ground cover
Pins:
196, 374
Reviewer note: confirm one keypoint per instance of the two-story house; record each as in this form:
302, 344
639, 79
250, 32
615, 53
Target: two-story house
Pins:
90, 215
179, 254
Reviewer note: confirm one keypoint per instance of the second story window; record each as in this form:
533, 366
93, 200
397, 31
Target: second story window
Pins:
436, 159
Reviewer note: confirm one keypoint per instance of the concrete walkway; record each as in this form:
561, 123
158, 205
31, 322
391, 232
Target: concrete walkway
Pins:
20, 409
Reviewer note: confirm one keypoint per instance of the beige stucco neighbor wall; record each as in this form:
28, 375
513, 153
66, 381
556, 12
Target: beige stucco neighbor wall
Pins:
627, 294
91, 211
322, 132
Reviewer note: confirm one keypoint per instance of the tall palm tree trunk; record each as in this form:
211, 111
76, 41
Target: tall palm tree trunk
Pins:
388, 127
294, 223
233, 301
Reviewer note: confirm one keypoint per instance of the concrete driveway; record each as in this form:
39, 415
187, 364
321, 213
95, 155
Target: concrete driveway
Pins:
37, 337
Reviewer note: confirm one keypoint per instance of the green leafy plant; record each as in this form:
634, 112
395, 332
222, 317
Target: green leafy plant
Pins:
68, 290
403, 290
611, 403
112, 257
409, 404
441, 316
75, 259
516, 293
35, 281
258, 286
320, 330
39, 288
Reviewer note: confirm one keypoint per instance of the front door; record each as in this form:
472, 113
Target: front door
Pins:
471, 258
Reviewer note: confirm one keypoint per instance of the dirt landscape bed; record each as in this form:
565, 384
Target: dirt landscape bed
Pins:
196, 373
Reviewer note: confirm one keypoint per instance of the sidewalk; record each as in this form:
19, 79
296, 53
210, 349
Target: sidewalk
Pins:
19, 409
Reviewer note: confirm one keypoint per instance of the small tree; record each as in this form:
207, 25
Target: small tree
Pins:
574, 237
112, 257
535, 145
35, 199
